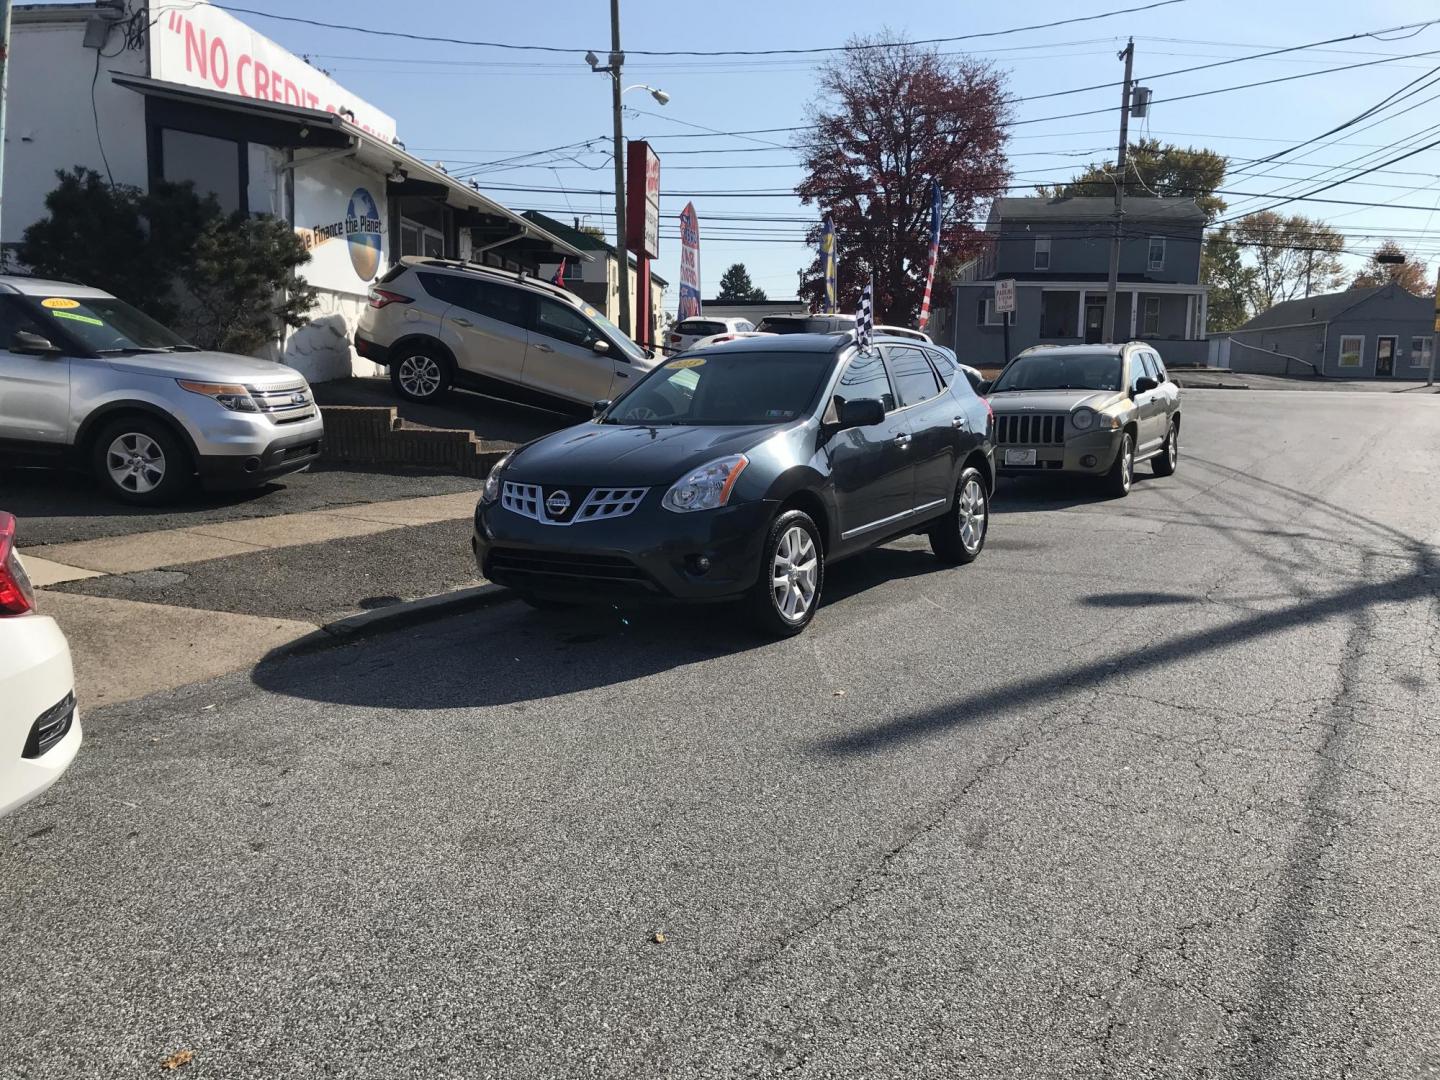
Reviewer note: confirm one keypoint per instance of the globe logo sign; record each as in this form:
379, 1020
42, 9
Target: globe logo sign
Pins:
362, 233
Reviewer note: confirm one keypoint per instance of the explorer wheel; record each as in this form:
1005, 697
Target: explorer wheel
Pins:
959, 536
141, 461
420, 375
792, 575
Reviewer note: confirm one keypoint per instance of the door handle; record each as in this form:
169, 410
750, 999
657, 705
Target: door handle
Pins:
621, 375
542, 347
959, 422
903, 439
462, 322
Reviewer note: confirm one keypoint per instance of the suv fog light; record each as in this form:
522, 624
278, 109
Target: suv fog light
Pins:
697, 564
1088, 461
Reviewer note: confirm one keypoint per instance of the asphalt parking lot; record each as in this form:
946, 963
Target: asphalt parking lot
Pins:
1148, 791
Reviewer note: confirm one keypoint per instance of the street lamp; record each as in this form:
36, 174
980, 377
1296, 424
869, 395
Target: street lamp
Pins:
616, 62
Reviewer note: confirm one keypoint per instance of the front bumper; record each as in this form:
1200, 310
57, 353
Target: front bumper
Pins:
37, 684
651, 555
281, 456
1100, 447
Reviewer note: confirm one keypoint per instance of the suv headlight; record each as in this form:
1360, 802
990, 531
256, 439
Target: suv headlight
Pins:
491, 491
708, 487
232, 396
1083, 419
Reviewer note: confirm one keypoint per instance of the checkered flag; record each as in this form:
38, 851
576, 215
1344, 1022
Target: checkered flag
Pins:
865, 317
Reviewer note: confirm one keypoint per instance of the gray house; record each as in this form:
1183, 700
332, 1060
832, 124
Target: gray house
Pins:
1058, 253
1382, 332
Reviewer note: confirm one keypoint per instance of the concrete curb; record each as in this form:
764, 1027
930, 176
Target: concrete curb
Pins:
369, 624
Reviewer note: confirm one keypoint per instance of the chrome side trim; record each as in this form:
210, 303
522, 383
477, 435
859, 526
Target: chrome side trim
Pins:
892, 519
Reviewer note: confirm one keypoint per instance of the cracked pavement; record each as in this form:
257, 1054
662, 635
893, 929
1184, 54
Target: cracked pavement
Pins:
1148, 791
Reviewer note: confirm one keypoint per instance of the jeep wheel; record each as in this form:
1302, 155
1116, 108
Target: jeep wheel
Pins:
420, 374
1122, 473
1164, 462
141, 461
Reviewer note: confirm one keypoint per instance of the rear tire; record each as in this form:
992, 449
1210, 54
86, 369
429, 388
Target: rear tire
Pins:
792, 577
1122, 473
959, 536
141, 461
1164, 462
420, 373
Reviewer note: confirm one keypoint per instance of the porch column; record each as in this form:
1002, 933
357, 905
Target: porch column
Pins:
1190, 334
1081, 331
1203, 328
1134, 309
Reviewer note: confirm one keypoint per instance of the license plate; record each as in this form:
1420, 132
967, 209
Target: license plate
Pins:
1019, 457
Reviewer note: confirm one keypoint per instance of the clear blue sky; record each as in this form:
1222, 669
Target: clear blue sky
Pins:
468, 106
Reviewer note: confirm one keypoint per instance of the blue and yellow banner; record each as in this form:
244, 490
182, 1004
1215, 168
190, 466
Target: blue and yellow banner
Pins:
828, 264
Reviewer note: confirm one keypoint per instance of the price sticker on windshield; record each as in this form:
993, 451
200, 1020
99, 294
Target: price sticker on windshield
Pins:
59, 303
689, 362
74, 317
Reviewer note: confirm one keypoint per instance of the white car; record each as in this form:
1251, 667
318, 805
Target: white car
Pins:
39, 723
716, 339
905, 332
685, 333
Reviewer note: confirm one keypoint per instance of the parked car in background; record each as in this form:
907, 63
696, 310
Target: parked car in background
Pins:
87, 380
720, 339
438, 324
806, 324
39, 721
1087, 410
685, 333
741, 473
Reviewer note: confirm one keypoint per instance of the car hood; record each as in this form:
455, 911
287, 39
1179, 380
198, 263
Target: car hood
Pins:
620, 454
1014, 401
209, 366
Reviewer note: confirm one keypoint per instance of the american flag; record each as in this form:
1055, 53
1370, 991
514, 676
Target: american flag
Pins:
865, 317
935, 198
559, 278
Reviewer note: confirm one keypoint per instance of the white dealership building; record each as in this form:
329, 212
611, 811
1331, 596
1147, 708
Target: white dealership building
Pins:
155, 91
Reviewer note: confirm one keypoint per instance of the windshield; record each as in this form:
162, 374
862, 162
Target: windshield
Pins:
106, 325
1071, 371
726, 388
614, 333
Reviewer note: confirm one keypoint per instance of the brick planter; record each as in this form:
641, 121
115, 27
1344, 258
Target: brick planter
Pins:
372, 435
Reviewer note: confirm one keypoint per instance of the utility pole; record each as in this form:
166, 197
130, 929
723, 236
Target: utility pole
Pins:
1128, 55
4, 84
617, 58
1309, 264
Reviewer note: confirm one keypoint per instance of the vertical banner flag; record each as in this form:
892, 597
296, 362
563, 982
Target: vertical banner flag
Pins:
934, 251
559, 278
865, 317
689, 263
827, 265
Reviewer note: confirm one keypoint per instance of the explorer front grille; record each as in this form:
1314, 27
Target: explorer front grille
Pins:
287, 404
1030, 429
50, 727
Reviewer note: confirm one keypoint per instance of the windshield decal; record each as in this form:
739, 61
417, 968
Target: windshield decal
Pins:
694, 361
78, 318
57, 302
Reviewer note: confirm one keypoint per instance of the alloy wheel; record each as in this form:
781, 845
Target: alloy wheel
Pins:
420, 375
1127, 464
135, 462
972, 515
793, 574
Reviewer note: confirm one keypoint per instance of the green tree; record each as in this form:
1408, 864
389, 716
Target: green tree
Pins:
1230, 281
222, 282
1410, 275
1291, 256
1154, 169
736, 287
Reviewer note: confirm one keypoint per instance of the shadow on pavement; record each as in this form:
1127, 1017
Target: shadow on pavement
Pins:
1137, 599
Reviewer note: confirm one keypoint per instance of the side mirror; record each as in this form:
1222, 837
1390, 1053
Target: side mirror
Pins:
600, 346
983, 387
33, 344
1145, 384
598, 407
862, 412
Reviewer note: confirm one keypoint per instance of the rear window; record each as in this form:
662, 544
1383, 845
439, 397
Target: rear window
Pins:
794, 324
701, 328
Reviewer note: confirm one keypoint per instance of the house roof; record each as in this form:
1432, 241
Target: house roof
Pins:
1312, 309
1177, 211
579, 238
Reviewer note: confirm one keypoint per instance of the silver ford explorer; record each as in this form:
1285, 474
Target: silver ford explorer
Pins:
87, 380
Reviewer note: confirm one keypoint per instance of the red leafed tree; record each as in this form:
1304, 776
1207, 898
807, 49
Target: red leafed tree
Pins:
894, 118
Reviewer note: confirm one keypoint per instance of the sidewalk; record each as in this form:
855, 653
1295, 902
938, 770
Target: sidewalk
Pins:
153, 610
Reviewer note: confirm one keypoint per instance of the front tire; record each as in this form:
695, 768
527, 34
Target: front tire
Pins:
1122, 473
142, 462
421, 374
959, 536
1164, 462
792, 576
